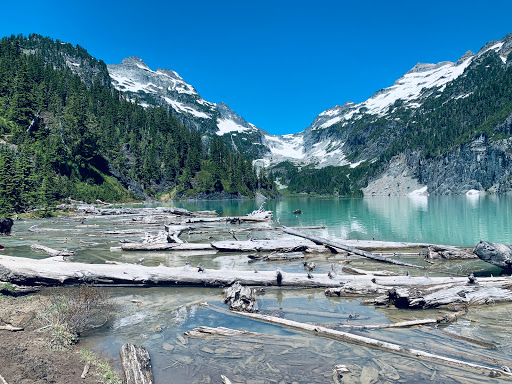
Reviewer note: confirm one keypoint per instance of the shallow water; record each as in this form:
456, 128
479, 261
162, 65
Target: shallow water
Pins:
277, 354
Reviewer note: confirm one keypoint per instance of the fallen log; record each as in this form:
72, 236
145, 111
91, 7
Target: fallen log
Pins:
165, 247
51, 251
86, 370
9, 327
446, 294
9, 289
27, 271
444, 319
277, 256
334, 244
263, 245
174, 231
357, 271
219, 331
136, 364
2, 380
496, 254
448, 253
374, 343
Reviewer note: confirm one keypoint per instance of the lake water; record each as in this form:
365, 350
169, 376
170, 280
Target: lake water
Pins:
449, 220
157, 317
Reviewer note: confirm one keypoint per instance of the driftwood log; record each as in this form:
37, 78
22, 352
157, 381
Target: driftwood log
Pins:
288, 245
25, 271
357, 271
51, 251
136, 364
496, 254
335, 244
9, 289
165, 246
277, 256
448, 253
219, 331
476, 293
374, 343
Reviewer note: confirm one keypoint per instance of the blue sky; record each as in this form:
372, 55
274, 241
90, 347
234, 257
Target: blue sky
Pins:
276, 63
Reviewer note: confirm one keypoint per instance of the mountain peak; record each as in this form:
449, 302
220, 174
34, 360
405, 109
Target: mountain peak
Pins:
135, 61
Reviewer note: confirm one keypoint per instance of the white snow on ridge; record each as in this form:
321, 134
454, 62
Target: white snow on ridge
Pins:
227, 126
407, 88
128, 85
410, 86
180, 107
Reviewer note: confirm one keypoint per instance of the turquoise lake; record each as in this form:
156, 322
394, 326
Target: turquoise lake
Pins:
448, 220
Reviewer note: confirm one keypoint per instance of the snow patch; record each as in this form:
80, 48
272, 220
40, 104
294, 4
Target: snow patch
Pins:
423, 191
226, 126
180, 107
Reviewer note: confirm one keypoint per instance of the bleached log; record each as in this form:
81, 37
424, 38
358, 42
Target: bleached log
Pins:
136, 364
25, 271
357, 271
263, 245
180, 212
51, 251
369, 255
444, 319
278, 256
43, 272
447, 294
2, 380
174, 231
165, 247
225, 380
374, 343
219, 331
496, 254
448, 253
9, 327
86, 370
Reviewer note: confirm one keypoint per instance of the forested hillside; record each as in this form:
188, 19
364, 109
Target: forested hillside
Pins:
66, 133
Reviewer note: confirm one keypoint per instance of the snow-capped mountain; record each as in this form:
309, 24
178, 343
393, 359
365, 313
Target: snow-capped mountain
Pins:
332, 135
165, 87
352, 133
